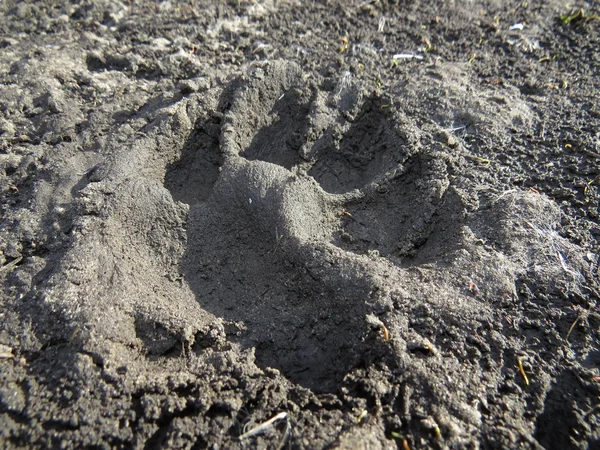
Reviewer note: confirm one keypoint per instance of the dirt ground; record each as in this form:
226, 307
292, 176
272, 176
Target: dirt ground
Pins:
299, 224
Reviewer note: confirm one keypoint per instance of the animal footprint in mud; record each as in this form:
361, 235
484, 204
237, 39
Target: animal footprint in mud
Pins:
269, 244
364, 152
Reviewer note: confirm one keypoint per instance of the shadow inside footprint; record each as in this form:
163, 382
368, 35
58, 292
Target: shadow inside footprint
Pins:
372, 146
248, 260
280, 142
398, 217
190, 179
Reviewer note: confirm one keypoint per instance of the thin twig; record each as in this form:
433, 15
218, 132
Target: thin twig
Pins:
572, 327
288, 428
263, 426
11, 265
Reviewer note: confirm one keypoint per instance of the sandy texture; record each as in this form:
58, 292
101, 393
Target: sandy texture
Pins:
375, 222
